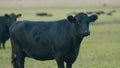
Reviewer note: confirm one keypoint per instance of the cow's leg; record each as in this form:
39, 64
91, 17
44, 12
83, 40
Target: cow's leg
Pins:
20, 58
13, 56
60, 63
3, 45
71, 59
0, 46
68, 65
15, 65
18, 62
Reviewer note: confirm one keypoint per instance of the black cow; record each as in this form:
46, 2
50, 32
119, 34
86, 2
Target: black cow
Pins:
43, 14
59, 40
5, 23
99, 12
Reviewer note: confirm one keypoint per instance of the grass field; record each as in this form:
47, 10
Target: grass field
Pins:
100, 50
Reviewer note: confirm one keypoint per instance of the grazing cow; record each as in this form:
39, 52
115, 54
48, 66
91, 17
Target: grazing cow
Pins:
111, 12
5, 23
59, 40
43, 14
89, 12
99, 12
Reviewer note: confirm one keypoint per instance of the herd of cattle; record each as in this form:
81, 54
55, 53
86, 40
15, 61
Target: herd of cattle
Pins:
102, 12
97, 12
45, 14
45, 40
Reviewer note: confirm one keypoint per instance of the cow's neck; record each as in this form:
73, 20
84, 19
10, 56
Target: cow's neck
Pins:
10, 22
77, 40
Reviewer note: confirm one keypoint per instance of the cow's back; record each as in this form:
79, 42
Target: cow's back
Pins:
30, 29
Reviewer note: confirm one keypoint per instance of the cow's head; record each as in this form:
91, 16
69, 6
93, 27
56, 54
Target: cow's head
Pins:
81, 23
11, 18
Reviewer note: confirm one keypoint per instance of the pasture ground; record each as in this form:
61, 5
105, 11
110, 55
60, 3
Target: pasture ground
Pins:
100, 50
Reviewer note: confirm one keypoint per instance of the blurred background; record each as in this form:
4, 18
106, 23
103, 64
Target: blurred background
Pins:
21, 3
100, 50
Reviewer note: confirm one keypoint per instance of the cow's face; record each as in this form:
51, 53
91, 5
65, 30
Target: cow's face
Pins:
81, 23
12, 18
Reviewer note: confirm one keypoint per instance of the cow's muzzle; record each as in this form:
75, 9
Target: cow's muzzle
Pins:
86, 33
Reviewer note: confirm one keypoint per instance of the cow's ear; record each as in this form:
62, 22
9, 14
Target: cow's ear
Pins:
19, 15
71, 19
6, 15
93, 18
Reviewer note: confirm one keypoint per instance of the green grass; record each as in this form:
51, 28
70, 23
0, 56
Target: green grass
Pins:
100, 50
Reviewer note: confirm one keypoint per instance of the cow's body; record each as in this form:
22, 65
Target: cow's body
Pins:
49, 39
57, 40
5, 23
4, 31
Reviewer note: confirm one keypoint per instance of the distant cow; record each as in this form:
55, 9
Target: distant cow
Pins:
43, 14
99, 12
111, 12
89, 12
5, 23
59, 40
95, 12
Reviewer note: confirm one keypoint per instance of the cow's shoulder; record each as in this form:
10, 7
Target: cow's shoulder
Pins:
16, 26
